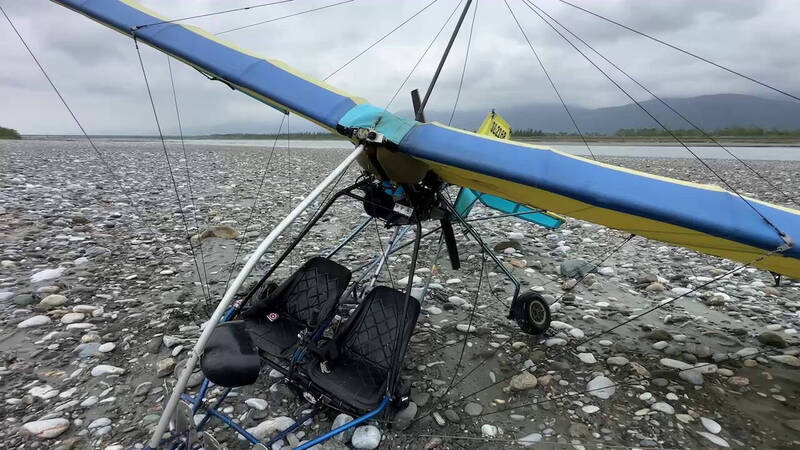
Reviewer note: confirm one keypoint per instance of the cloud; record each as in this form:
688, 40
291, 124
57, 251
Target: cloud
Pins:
98, 70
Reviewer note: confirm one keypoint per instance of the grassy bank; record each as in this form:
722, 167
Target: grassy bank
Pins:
9, 133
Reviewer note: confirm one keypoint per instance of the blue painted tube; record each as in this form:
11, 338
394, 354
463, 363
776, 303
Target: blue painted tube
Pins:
346, 426
213, 408
293, 427
228, 314
200, 395
229, 422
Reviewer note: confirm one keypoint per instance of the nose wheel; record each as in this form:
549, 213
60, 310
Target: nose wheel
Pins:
531, 312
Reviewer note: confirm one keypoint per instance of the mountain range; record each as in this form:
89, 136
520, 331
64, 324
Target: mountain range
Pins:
710, 112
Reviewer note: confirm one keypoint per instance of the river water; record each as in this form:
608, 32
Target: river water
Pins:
767, 153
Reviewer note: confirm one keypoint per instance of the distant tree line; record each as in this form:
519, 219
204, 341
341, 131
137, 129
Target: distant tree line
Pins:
659, 132
8, 133
730, 131
307, 135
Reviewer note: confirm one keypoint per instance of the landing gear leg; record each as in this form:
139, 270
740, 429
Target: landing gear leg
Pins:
777, 278
531, 312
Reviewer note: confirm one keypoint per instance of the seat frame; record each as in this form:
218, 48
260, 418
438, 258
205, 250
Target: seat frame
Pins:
295, 379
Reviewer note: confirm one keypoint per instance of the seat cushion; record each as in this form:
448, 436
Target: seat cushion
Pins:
278, 338
359, 386
230, 358
305, 301
371, 346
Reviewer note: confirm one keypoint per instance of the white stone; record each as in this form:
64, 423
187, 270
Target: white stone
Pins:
558, 325
269, 426
105, 369
590, 409
789, 360
577, 333
660, 345
47, 274
516, 236
35, 321
46, 429
606, 271
645, 396
107, 347
256, 403
530, 439
51, 301
99, 423
685, 418
466, 328
601, 387
617, 361
711, 425
72, 317
587, 358
488, 430
666, 408
452, 281
552, 342
675, 364
90, 401
366, 437
44, 392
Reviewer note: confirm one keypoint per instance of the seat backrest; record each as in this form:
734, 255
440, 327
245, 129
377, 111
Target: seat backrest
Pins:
309, 297
311, 294
377, 333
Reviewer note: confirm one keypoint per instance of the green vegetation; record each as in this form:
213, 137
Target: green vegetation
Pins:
8, 133
730, 134
306, 136
723, 132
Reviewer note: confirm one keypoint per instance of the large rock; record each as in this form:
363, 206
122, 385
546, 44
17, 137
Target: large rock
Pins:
789, 360
366, 437
52, 301
220, 231
574, 268
523, 381
771, 338
269, 427
46, 429
340, 420
601, 387
35, 321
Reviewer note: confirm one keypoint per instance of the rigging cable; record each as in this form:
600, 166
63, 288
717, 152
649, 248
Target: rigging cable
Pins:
189, 183
663, 102
379, 40
627, 321
427, 49
780, 233
169, 163
675, 47
464, 67
255, 201
244, 8
100, 156
283, 17
552, 83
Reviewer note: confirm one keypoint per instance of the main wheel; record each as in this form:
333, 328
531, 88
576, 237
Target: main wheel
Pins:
531, 312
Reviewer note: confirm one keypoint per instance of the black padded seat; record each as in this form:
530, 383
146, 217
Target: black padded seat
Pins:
305, 301
367, 352
230, 358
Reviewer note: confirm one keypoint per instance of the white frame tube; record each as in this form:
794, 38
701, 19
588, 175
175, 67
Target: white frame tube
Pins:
194, 355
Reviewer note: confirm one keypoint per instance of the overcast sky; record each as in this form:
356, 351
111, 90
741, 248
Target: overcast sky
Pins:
98, 72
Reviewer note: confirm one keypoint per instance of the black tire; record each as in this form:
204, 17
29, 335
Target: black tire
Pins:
532, 313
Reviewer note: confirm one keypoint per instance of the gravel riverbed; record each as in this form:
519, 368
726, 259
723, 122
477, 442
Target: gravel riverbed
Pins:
100, 303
